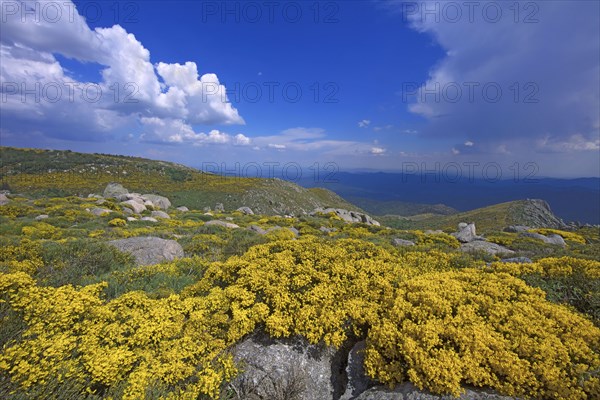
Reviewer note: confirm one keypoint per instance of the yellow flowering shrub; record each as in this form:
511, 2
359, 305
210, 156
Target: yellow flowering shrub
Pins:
42, 230
24, 257
551, 267
280, 234
117, 222
447, 329
175, 343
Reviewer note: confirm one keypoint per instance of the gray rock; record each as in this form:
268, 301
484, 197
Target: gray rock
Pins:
348, 216
222, 223
206, 209
274, 366
41, 217
114, 190
183, 209
160, 202
550, 239
295, 231
487, 247
516, 228
135, 206
466, 233
257, 229
246, 210
160, 214
3, 199
228, 218
131, 219
402, 242
358, 381
149, 250
407, 391
556, 239
127, 210
100, 211
433, 232
149, 204
219, 208
520, 260
149, 219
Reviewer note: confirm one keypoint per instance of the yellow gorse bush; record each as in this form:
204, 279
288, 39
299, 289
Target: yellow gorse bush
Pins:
471, 327
571, 236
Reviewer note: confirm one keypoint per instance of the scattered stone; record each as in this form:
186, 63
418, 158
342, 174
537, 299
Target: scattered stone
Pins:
295, 231
222, 223
149, 219
183, 209
208, 213
94, 196
402, 242
134, 206
246, 210
114, 190
358, 381
466, 233
100, 211
127, 210
131, 219
516, 228
160, 202
160, 214
302, 368
487, 247
520, 260
219, 208
149, 250
206, 209
100, 202
41, 217
3, 199
257, 229
149, 204
435, 232
228, 218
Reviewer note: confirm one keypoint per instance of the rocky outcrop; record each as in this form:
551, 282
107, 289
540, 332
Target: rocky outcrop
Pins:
114, 190
537, 214
222, 223
219, 208
407, 391
183, 209
246, 210
550, 239
134, 206
149, 250
358, 381
520, 260
149, 219
41, 217
402, 242
100, 211
466, 233
160, 214
272, 367
486, 247
348, 216
3, 199
160, 202
517, 228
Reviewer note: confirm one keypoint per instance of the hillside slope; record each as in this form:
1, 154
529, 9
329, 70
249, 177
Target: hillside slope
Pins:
51, 172
530, 212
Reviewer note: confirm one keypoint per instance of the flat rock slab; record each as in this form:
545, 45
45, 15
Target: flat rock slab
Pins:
408, 391
149, 250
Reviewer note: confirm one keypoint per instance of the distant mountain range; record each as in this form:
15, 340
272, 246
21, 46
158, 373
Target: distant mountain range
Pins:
410, 194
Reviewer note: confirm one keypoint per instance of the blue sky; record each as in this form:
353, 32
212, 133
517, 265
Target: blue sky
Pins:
370, 85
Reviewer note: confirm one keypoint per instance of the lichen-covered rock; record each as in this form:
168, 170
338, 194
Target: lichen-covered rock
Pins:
292, 366
134, 206
100, 211
402, 242
41, 217
159, 201
348, 216
183, 209
466, 233
149, 250
3, 199
486, 247
114, 190
246, 210
358, 381
160, 214
222, 223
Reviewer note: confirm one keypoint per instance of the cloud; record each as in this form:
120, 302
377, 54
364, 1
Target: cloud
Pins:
510, 80
130, 88
276, 146
381, 128
468, 143
364, 123
176, 131
377, 150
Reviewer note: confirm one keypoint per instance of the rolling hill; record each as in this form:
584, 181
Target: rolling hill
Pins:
61, 173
